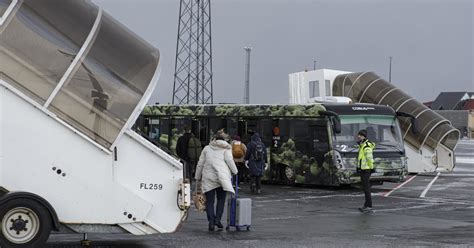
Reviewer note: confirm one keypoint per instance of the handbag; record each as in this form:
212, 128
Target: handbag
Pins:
199, 198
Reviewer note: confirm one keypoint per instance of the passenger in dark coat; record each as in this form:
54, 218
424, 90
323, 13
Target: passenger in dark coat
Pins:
256, 166
182, 151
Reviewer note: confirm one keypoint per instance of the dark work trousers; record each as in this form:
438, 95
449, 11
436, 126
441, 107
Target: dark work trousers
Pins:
215, 217
257, 181
188, 169
365, 179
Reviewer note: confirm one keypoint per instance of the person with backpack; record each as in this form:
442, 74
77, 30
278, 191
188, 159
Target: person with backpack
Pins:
365, 167
238, 152
256, 156
188, 149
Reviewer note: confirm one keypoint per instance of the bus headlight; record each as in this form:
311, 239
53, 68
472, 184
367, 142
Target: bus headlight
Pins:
349, 163
338, 160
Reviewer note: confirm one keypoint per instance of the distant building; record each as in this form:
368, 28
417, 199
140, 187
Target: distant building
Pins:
457, 107
453, 101
458, 118
313, 86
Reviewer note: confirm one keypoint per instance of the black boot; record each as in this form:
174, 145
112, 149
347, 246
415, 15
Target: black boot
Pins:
211, 227
219, 225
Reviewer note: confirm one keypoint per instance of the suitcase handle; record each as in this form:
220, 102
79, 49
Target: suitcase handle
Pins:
236, 182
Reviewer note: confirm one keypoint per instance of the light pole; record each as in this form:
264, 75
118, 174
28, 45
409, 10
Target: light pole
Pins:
314, 65
390, 70
247, 75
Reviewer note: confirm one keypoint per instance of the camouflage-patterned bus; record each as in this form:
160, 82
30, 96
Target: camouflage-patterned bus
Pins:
307, 144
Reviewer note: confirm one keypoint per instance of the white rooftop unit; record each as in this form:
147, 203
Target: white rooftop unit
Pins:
313, 86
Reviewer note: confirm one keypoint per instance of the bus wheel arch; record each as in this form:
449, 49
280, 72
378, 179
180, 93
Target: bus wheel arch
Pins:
24, 222
288, 174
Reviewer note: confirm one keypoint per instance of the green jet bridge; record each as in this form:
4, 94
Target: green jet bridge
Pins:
430, 139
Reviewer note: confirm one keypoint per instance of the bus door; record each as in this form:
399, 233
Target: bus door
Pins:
216, 124
305, 149
321, 171
232, 128
201, 129
248, 128
195, 127
241, 128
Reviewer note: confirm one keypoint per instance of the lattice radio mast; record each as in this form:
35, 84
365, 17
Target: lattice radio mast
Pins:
193, 65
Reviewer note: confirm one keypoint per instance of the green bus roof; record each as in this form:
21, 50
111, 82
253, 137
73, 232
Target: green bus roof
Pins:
235, 110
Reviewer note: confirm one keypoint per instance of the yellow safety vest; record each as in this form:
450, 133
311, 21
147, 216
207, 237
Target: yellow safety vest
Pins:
366, 158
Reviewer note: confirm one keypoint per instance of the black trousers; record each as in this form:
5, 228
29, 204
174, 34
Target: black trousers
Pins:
365, 179
242, 171
215, 217
257, 181
189, 169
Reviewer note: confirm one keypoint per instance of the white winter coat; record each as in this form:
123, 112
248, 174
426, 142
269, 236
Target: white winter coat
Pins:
216, 166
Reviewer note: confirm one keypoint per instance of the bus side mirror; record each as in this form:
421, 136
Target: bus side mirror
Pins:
337, 125
414, 123
335, 120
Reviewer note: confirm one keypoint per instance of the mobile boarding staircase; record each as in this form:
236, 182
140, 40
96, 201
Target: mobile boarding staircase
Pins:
431, 147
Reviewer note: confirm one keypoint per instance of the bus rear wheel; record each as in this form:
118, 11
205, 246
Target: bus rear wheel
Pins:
289, 175
24, 223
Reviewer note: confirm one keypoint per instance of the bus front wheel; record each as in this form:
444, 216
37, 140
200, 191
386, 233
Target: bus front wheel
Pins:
24, 223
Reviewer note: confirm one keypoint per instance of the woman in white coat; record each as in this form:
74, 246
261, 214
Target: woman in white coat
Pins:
215, 169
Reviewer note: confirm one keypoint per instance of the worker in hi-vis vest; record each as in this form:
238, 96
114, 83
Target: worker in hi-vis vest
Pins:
365, 166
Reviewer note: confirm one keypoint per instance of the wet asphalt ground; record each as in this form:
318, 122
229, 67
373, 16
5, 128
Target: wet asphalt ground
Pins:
414, 215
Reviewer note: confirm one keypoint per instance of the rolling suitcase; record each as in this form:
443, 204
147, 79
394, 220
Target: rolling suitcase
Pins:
239, 211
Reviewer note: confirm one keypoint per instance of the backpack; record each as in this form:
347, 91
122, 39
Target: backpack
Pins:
194, 149
258, 152
237, 151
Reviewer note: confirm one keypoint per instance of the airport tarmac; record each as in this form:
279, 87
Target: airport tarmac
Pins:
430, 210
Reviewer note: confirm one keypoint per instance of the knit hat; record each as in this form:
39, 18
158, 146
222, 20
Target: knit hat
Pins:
362, 132
237, 137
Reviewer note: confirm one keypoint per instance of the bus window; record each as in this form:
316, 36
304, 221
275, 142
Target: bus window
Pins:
299, 134
383, 130
252, 126
216, 124
266, 131
164, 127
177, 129
195, 127
232, 127
319, 133
247, 128
242, 131
154, 129
284, 125
388, 134
203, 132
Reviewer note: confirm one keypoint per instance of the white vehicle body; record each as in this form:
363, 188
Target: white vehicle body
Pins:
67, 108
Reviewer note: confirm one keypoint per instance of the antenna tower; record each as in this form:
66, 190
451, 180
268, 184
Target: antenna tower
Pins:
193, 65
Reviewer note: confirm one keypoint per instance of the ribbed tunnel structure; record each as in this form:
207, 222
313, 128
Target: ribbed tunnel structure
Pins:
367, 87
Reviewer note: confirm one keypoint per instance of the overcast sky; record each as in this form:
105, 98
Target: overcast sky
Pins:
431, 42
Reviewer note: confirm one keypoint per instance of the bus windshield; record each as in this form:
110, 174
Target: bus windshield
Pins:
383, 130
